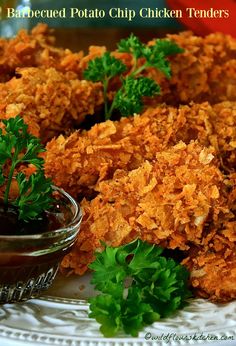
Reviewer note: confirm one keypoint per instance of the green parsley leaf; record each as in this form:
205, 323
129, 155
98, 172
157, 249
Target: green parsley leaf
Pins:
137, 312
156, 55
16, 127
2, 178
146, 256
104, 67
157, 59
33, 149
167, 47
7, 143
18, 147
106, 268
107, 312
138, 287
34, 195
16, 133
131, 45
128, 98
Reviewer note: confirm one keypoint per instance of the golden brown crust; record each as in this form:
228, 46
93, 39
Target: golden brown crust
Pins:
213, 265
163, 192
89, 157
94, 155
49, 101
224, 133
35, 49
206, 71
165, 202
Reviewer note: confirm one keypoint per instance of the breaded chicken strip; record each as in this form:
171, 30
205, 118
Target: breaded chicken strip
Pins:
206, 71
35, 49
89, 157
165, 202
213, 265
92, 156
49, 101
224, 128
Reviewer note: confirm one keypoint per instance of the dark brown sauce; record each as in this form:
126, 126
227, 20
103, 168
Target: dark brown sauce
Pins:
51, 220
21, 264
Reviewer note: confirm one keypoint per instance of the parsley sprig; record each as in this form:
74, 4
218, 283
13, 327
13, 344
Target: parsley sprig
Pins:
104, 69
134, 86
157, 287
19, 147
129, 98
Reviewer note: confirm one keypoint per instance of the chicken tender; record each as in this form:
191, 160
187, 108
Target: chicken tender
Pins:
49, 101
205, 71
165, 202
35, 49
224, 128
92, 156
213, 265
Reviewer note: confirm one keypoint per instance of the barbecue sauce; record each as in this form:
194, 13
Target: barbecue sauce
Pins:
10, 224
20, 265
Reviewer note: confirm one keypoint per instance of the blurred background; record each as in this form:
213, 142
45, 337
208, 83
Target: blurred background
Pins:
86, 31
105, 5
91, 4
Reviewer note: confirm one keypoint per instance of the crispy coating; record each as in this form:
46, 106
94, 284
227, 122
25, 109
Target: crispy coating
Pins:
206, 71
165, 202
213, 265
213, 274
224, 128
94, 155
196, 76
148, 184
35, 49
115, 215
49, 101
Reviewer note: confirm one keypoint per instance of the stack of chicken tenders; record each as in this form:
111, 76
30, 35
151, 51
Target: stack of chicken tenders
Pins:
166, 176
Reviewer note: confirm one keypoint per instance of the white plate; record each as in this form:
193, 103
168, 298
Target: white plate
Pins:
61, 318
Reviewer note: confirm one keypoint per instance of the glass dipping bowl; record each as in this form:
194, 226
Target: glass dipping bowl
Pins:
29, 263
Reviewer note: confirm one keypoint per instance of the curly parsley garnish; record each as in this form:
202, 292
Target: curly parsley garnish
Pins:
138, 287
134, 86
18, 147
128, 98
104, 69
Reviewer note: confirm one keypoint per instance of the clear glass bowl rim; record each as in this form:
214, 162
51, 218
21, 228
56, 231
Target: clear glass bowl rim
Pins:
75, 222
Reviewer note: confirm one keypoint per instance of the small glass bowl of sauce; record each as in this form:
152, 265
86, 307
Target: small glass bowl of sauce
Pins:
30, 253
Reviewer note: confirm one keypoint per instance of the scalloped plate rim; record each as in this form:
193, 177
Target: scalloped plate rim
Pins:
52, 301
